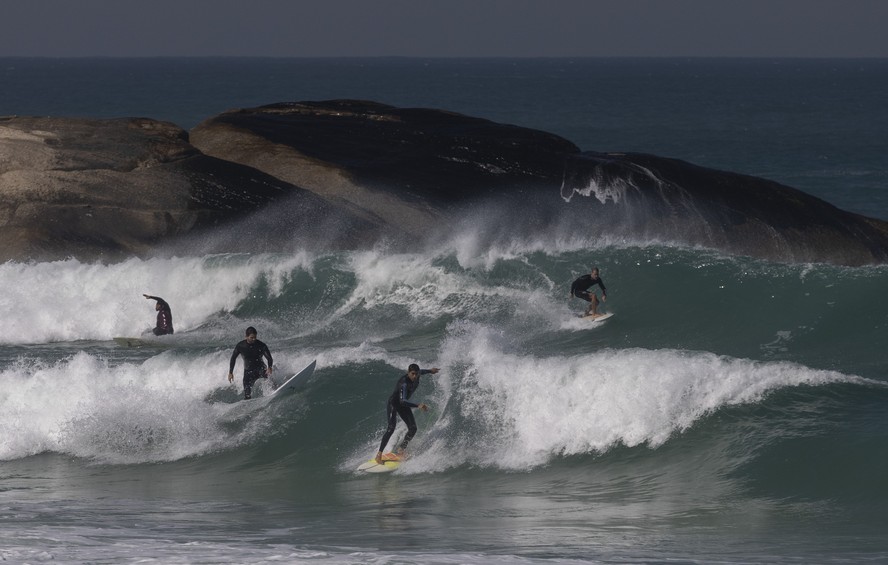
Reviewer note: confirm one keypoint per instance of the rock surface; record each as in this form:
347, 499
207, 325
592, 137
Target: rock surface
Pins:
652, 197
110, 188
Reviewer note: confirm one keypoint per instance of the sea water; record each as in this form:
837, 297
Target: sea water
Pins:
733, 410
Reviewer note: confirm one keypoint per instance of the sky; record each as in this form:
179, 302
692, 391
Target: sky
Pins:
444, 28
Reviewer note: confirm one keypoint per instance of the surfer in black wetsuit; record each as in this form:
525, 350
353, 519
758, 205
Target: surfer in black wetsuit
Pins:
580, 289
164, 316
253, 351
399, 405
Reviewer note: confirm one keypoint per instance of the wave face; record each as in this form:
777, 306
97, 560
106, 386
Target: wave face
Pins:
694, 333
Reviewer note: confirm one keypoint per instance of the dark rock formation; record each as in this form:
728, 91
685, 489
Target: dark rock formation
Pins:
406, 167
652, 197
110, 188
412, 167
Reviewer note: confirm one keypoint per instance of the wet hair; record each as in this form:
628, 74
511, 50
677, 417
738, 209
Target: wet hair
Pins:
251, 331
413, 367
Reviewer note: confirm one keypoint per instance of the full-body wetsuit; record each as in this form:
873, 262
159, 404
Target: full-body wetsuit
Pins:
254, 367
580, 287
398, 405
164, 317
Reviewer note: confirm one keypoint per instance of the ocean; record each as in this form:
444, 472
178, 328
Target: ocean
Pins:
733, 410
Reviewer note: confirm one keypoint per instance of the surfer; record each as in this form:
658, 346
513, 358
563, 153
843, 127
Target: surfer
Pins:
399, 405
253, 351
164, 316
580, 289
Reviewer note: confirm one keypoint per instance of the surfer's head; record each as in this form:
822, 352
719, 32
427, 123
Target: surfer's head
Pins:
413, 370
594, 272
251, 334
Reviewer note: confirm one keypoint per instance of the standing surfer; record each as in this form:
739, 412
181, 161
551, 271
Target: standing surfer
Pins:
399, 405
580, 289
253, 351
164, 316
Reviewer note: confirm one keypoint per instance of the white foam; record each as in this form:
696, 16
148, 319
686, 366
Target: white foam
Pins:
162, 409
416, 283
516, 411
70, 300
157, 410
615, 191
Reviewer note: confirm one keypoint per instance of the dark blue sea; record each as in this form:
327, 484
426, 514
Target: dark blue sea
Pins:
733, 410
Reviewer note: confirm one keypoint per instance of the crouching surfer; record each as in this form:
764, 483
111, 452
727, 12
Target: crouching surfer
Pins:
580, 289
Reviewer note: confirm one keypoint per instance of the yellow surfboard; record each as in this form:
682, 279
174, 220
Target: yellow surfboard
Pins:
390, 462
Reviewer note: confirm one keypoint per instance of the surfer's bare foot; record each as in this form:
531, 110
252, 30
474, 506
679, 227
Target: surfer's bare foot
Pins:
379, 458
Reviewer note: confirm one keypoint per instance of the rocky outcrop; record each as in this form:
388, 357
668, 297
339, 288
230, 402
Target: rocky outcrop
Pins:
412, 167
655, 198
110, 188
344, 173
406, 167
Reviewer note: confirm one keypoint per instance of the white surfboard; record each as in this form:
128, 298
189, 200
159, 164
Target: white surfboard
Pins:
598, 318
293, 383
144, 342
390, 463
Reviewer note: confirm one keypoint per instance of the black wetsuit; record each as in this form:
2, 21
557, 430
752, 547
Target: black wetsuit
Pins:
164, 317
399, 405
580, 287
254, 367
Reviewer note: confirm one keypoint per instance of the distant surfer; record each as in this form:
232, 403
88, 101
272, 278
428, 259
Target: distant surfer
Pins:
399, 405
253, 351
164, 316
580, 289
